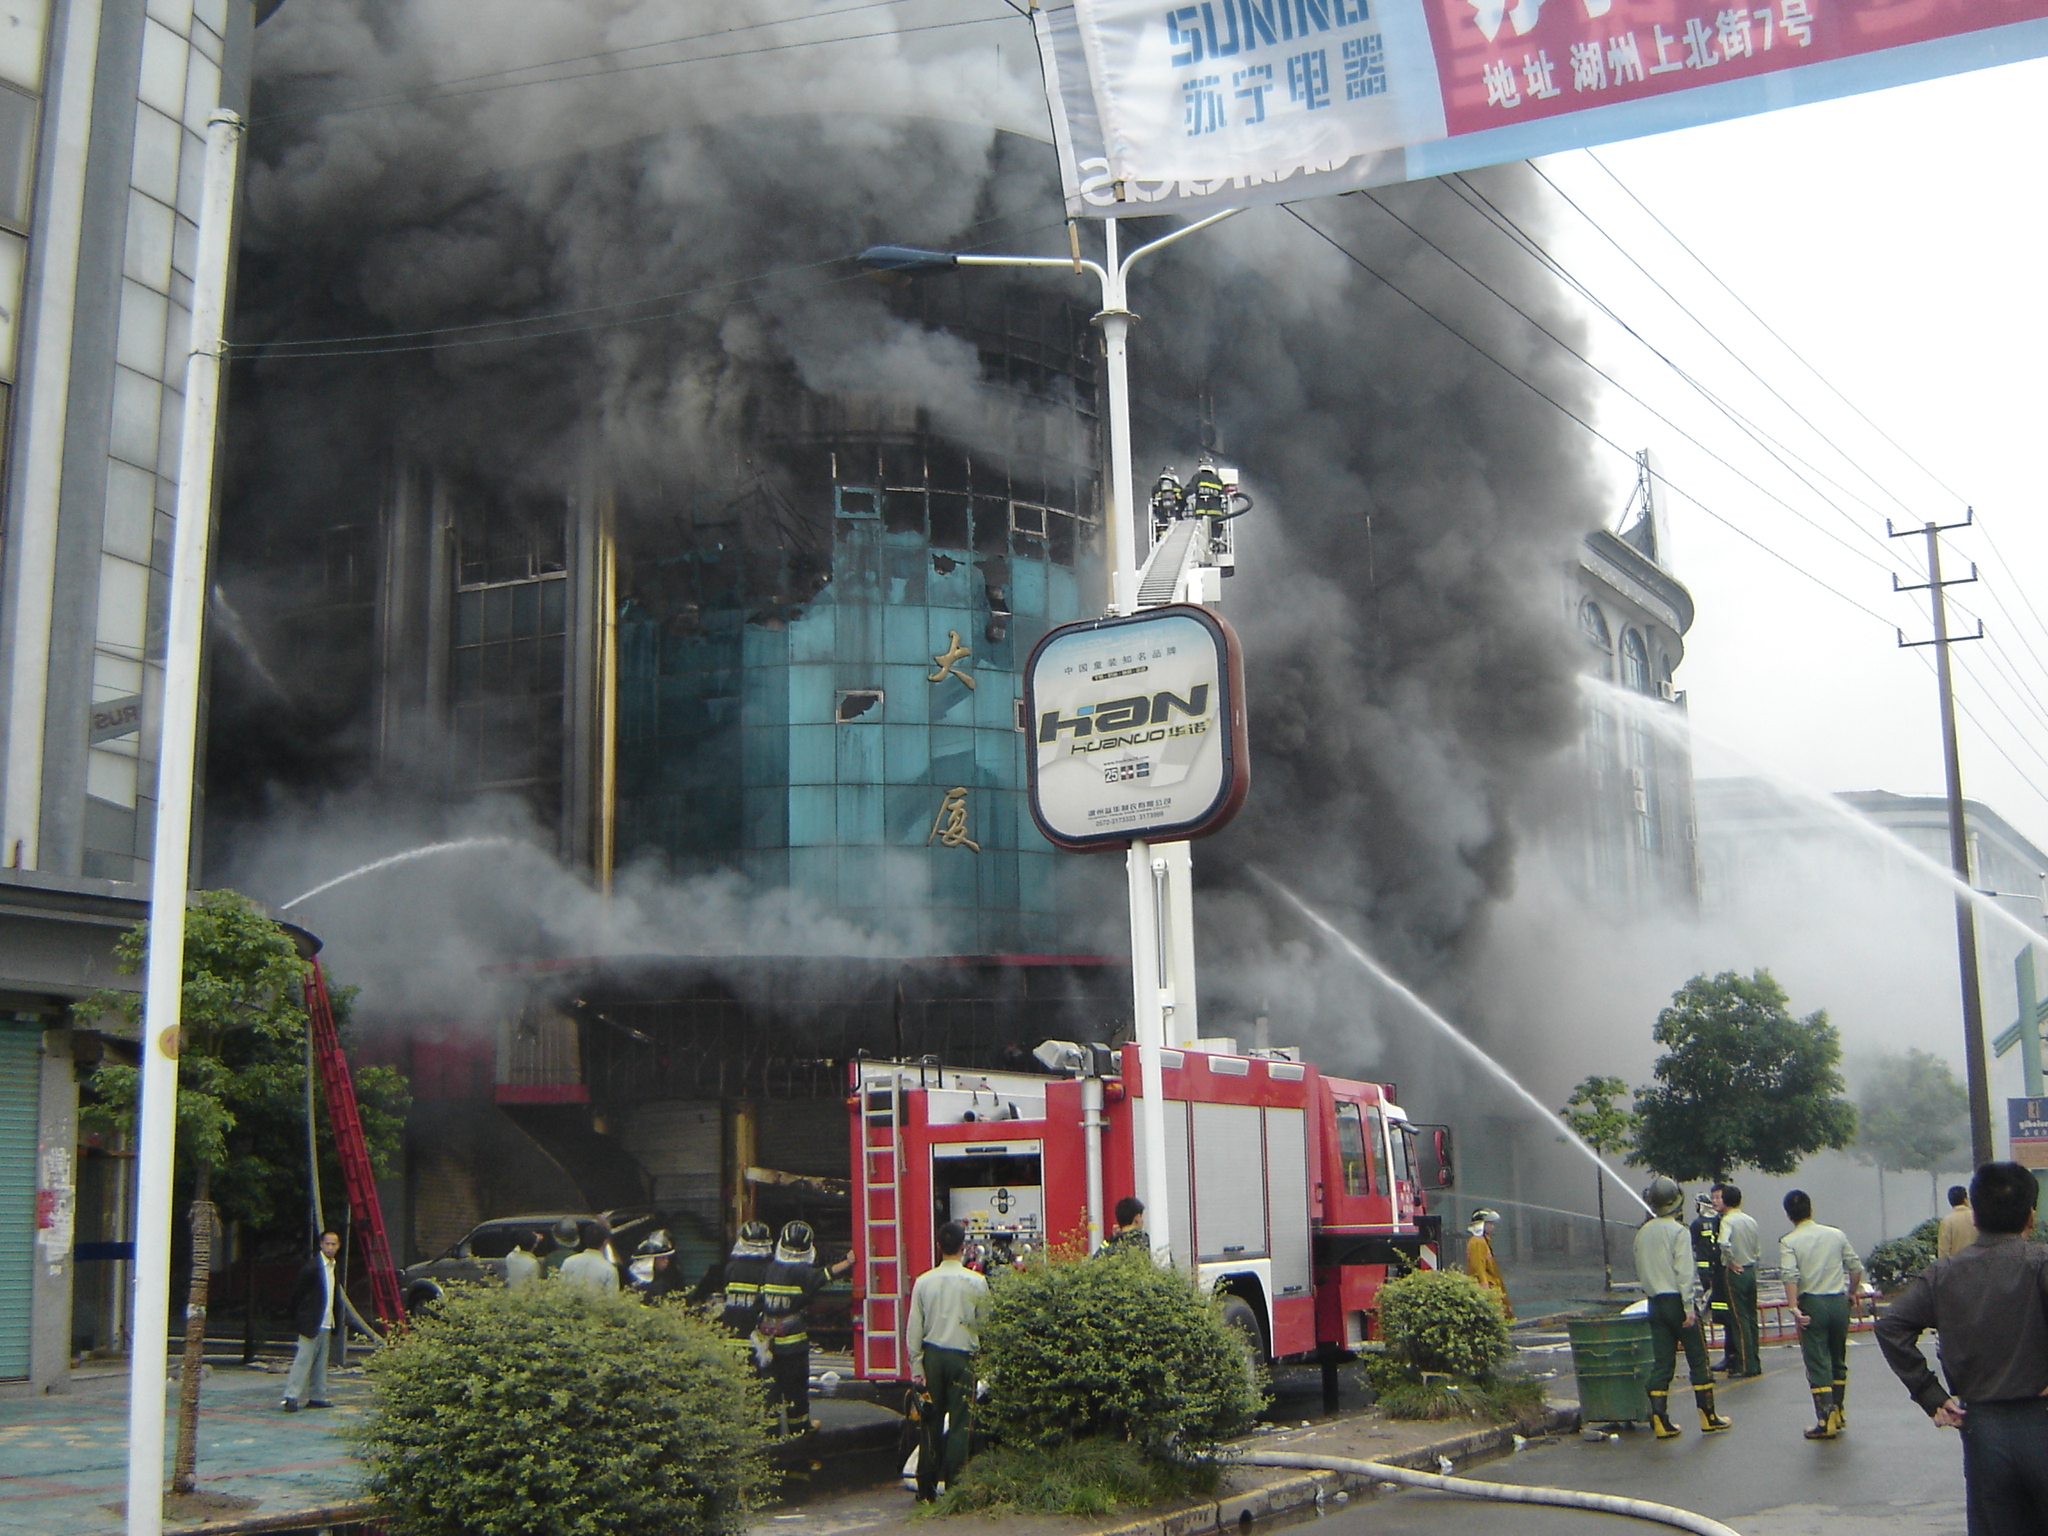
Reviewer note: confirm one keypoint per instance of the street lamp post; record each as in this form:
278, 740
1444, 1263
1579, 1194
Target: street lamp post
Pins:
1159, 881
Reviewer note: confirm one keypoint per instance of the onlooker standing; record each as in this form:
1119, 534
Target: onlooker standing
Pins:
521, 1267
1989, 1303
939, 1340
793, 1280
1480, 1263
1130, 1227
1742, 1250
592, 1264
1958, 1228
1671, 1281
1819, 1266
315, 1303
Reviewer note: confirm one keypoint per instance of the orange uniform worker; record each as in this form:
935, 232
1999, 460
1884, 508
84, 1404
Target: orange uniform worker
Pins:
1479, 1260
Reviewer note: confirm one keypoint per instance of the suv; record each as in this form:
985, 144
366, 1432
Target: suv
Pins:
480, 1256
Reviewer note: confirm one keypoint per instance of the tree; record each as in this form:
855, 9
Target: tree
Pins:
1606, 1127
241, 1097
1742, 1083
1909, 1115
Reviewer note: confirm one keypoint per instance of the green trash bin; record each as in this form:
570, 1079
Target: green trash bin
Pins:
1611, 1355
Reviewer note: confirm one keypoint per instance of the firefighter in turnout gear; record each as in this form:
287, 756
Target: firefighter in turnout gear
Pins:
791, 1283
1706, 1256
744, 1268
1480, 1263
1821, 1272
1671, 1281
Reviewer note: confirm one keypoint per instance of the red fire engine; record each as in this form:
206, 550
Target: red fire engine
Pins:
1295, 1192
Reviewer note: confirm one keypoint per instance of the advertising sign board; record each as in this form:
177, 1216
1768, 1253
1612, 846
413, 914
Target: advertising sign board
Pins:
1137, 729
2026, 1120
1190, 105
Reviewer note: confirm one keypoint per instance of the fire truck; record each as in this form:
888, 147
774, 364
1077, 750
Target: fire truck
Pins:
1293, 1193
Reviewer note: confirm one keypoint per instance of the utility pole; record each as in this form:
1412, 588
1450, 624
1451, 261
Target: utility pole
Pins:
1975, 1067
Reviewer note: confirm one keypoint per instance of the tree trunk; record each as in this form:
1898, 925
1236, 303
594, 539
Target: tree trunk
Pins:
250, 1338
1882, 1225
1606, 1263
186, 1457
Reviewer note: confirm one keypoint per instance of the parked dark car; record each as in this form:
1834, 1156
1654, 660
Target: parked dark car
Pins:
480, 1256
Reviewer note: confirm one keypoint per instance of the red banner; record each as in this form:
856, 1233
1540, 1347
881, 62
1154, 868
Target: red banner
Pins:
1503, 62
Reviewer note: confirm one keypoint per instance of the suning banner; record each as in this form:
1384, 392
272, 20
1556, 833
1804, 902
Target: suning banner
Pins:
1161, 106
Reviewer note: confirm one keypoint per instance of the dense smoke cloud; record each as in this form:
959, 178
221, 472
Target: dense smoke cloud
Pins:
1400, 586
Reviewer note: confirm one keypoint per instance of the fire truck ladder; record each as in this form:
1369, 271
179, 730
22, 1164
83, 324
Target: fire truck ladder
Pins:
357, 1176
881, 1177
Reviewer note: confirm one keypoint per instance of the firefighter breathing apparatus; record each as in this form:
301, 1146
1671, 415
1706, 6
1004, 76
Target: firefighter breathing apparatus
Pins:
1504, 1493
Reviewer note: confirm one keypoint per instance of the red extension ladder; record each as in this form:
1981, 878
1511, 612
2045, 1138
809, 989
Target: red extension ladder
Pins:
357, 1176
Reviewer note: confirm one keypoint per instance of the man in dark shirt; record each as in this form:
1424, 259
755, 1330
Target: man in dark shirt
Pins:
1989, 1303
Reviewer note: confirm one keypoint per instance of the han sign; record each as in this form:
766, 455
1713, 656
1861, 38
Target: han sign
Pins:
1136, 728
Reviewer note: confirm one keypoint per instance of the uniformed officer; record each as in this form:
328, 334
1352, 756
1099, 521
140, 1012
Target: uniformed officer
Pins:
1480, 1263
1819, 1267
793, 1280
745, 1267
1664, 1265
1742, 1250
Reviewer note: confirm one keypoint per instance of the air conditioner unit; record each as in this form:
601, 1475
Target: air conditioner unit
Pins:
1669, 694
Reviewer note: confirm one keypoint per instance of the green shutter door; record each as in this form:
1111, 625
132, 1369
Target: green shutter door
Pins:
20, 1071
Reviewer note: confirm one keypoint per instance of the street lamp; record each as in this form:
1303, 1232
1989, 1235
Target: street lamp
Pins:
1160, 884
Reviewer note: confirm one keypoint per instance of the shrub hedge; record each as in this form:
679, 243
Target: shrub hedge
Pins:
1113, 1346
553, 1411
1441, 1320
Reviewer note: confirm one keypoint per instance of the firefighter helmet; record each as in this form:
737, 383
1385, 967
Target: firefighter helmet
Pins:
1663, 1196
755, 1241
656, 1245
798, 1244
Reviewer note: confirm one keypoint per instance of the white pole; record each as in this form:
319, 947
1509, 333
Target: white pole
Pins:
1119, 525
156, 1131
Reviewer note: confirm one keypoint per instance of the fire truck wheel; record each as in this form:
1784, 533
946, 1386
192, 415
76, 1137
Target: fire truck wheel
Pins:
1239, 1314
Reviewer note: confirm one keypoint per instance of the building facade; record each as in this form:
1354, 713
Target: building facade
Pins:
1635, 836
103, 111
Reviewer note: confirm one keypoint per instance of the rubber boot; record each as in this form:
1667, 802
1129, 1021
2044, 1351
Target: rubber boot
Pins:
1710, 1421
1660, 1416
1824, 1426
1840, 1417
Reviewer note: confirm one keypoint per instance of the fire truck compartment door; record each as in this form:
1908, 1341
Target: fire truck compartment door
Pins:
1230, 1196
1177, 1193
999, 1208
1287, 1200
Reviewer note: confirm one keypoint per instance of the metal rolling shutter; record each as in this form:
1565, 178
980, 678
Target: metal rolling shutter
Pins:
1230, 1193
1287, 1199
20, 1063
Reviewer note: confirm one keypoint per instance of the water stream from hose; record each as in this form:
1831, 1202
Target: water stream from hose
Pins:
1673, 726
400, 858
1448, 1030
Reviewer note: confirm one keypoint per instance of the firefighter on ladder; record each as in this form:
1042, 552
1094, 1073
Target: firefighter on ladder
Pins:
1671, 1281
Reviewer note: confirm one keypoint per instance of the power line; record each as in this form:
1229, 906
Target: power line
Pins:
1772, 444
1569, 414
1631, 394
340, 346
623, 69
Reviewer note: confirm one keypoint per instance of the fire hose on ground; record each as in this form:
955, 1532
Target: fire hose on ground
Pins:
1505, 1493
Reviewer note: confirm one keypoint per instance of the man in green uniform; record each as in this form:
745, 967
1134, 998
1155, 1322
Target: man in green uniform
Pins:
1742, 1250
1818, 1265
1670, 1279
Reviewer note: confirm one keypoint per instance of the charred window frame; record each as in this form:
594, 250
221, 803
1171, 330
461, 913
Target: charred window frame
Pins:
928, 489
509, 650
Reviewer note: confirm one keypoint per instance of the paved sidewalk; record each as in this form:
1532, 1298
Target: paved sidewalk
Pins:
64, 1458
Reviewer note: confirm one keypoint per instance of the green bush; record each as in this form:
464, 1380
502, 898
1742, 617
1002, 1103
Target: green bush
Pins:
1094, 1477
1928, 1232
1898, 1260
550, 1411
1113, 1346
1442, 1321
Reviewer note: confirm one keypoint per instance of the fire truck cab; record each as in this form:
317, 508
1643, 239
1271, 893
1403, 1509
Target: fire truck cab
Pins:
1293, 1192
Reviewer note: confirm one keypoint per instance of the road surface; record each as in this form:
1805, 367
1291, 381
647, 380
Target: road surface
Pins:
1891, 1474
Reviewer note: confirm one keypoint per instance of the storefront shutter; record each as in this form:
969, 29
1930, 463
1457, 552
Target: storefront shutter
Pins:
20, 1053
